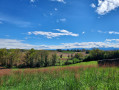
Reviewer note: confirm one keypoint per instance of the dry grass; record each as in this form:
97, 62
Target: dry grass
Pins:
83, 77
4, 72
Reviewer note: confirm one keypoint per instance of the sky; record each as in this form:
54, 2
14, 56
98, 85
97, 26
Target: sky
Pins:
59, 24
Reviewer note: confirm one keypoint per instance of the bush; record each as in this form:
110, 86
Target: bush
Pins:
75, 60
78, 55
67, 63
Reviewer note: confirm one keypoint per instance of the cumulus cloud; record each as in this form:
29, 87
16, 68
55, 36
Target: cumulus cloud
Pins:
93, 5
52, 34
99, 31
61, 20
105, 6
29, 33
32, 1
83, 32
108, 32
113, 32
92, 45
12, 43
110, 40
61, 1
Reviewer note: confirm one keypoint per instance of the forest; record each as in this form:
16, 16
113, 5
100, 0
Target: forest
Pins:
18, 58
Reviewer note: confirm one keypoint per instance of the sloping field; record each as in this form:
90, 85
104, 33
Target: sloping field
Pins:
83, 76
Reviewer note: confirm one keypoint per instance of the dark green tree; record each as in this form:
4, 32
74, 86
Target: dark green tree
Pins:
30, 56
3, 56
61, 56
54, 59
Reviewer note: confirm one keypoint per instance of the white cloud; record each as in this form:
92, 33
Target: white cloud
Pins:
61, 20
110, 40
99, 31
61, 1
32, 1
86, 45
105, 6
12, 43
83, 32
113, 32
29, 33
52, 34
93, 5
109, 32
92, 45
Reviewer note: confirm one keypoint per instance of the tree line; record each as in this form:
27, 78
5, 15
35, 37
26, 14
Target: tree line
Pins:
97, 54
26, 58
42, 58
73, 50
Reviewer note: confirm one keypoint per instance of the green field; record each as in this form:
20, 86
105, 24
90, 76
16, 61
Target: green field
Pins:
70, 52
82, 76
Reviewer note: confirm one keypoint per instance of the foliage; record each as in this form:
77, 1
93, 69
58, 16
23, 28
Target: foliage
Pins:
78, 55
72, 50
59, 50
3, 56
61, 56
42, 58
75, 60
29, 58
54, 59
87, 77
97, 54
13, 57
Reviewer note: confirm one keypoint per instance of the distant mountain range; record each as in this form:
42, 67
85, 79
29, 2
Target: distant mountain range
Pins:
111, 48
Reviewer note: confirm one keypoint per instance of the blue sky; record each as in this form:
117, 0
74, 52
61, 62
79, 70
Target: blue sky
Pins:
59, 24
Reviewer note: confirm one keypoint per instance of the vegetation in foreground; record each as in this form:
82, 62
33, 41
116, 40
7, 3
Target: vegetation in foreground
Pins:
82, 77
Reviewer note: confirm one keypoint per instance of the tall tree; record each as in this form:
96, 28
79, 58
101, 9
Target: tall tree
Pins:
3, 56
54, 59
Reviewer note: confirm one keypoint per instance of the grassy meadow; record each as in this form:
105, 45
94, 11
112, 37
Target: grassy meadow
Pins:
81, 76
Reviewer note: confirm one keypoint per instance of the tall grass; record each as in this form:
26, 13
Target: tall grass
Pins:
90, 77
